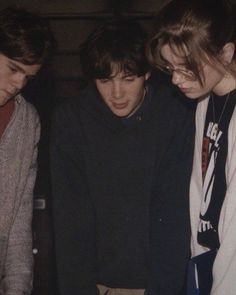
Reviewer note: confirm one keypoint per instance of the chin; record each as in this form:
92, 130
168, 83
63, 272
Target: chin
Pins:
193, 95
121, 115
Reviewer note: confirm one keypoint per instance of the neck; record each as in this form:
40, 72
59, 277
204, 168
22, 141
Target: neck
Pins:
140, 102
226, 85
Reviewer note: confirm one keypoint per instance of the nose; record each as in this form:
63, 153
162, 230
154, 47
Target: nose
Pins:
177, 77
117, 90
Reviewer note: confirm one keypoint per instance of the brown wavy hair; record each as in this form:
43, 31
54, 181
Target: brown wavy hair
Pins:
198, 29
25, 36
120, 43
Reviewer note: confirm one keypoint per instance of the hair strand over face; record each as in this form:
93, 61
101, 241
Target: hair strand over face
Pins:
199, 29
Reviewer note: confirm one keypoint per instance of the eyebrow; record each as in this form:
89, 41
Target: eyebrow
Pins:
168, 64
129, 75
181, 64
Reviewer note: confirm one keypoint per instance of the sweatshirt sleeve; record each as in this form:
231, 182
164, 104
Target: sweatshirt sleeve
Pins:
169, 210
73, 216
224, 268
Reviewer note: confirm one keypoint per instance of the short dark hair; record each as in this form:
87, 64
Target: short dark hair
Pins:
119, 43
199, 27
25, 36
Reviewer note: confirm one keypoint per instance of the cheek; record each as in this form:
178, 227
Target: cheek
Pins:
25, 82
104, 93
4, 81
212, 77
4, 76
135, 90
101, 88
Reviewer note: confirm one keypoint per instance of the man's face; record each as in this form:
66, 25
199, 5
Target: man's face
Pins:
14, 76
122, 93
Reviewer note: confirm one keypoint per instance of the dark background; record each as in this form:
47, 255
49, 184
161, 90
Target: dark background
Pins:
71, 22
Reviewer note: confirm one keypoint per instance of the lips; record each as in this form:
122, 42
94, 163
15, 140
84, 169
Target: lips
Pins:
184, 89
120, 106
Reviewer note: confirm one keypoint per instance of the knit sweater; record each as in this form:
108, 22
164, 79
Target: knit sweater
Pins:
102, 175
18, 155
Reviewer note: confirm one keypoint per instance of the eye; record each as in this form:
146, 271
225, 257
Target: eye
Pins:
13, 69
167, 69
130, 78
103, 80
188, 73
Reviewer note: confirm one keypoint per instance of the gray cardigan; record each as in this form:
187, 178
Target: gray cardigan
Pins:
18, 156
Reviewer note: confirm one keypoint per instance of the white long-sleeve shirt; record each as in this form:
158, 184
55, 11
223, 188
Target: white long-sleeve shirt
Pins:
224, 268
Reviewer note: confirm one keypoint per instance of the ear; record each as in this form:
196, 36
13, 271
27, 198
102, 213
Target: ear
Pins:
147, 76
228, 53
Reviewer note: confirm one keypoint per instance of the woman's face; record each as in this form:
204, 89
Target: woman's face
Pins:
184, 79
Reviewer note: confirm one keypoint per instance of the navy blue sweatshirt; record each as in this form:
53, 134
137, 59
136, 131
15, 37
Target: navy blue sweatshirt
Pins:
104, 177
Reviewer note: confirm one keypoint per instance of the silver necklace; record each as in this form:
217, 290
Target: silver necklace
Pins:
222, 112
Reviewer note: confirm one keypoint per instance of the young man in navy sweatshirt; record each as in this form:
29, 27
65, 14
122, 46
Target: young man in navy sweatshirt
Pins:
120, 148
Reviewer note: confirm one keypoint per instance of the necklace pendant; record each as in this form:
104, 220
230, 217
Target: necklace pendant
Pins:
217, 122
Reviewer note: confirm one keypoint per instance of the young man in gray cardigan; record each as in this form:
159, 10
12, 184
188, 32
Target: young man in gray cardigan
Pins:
25, 43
